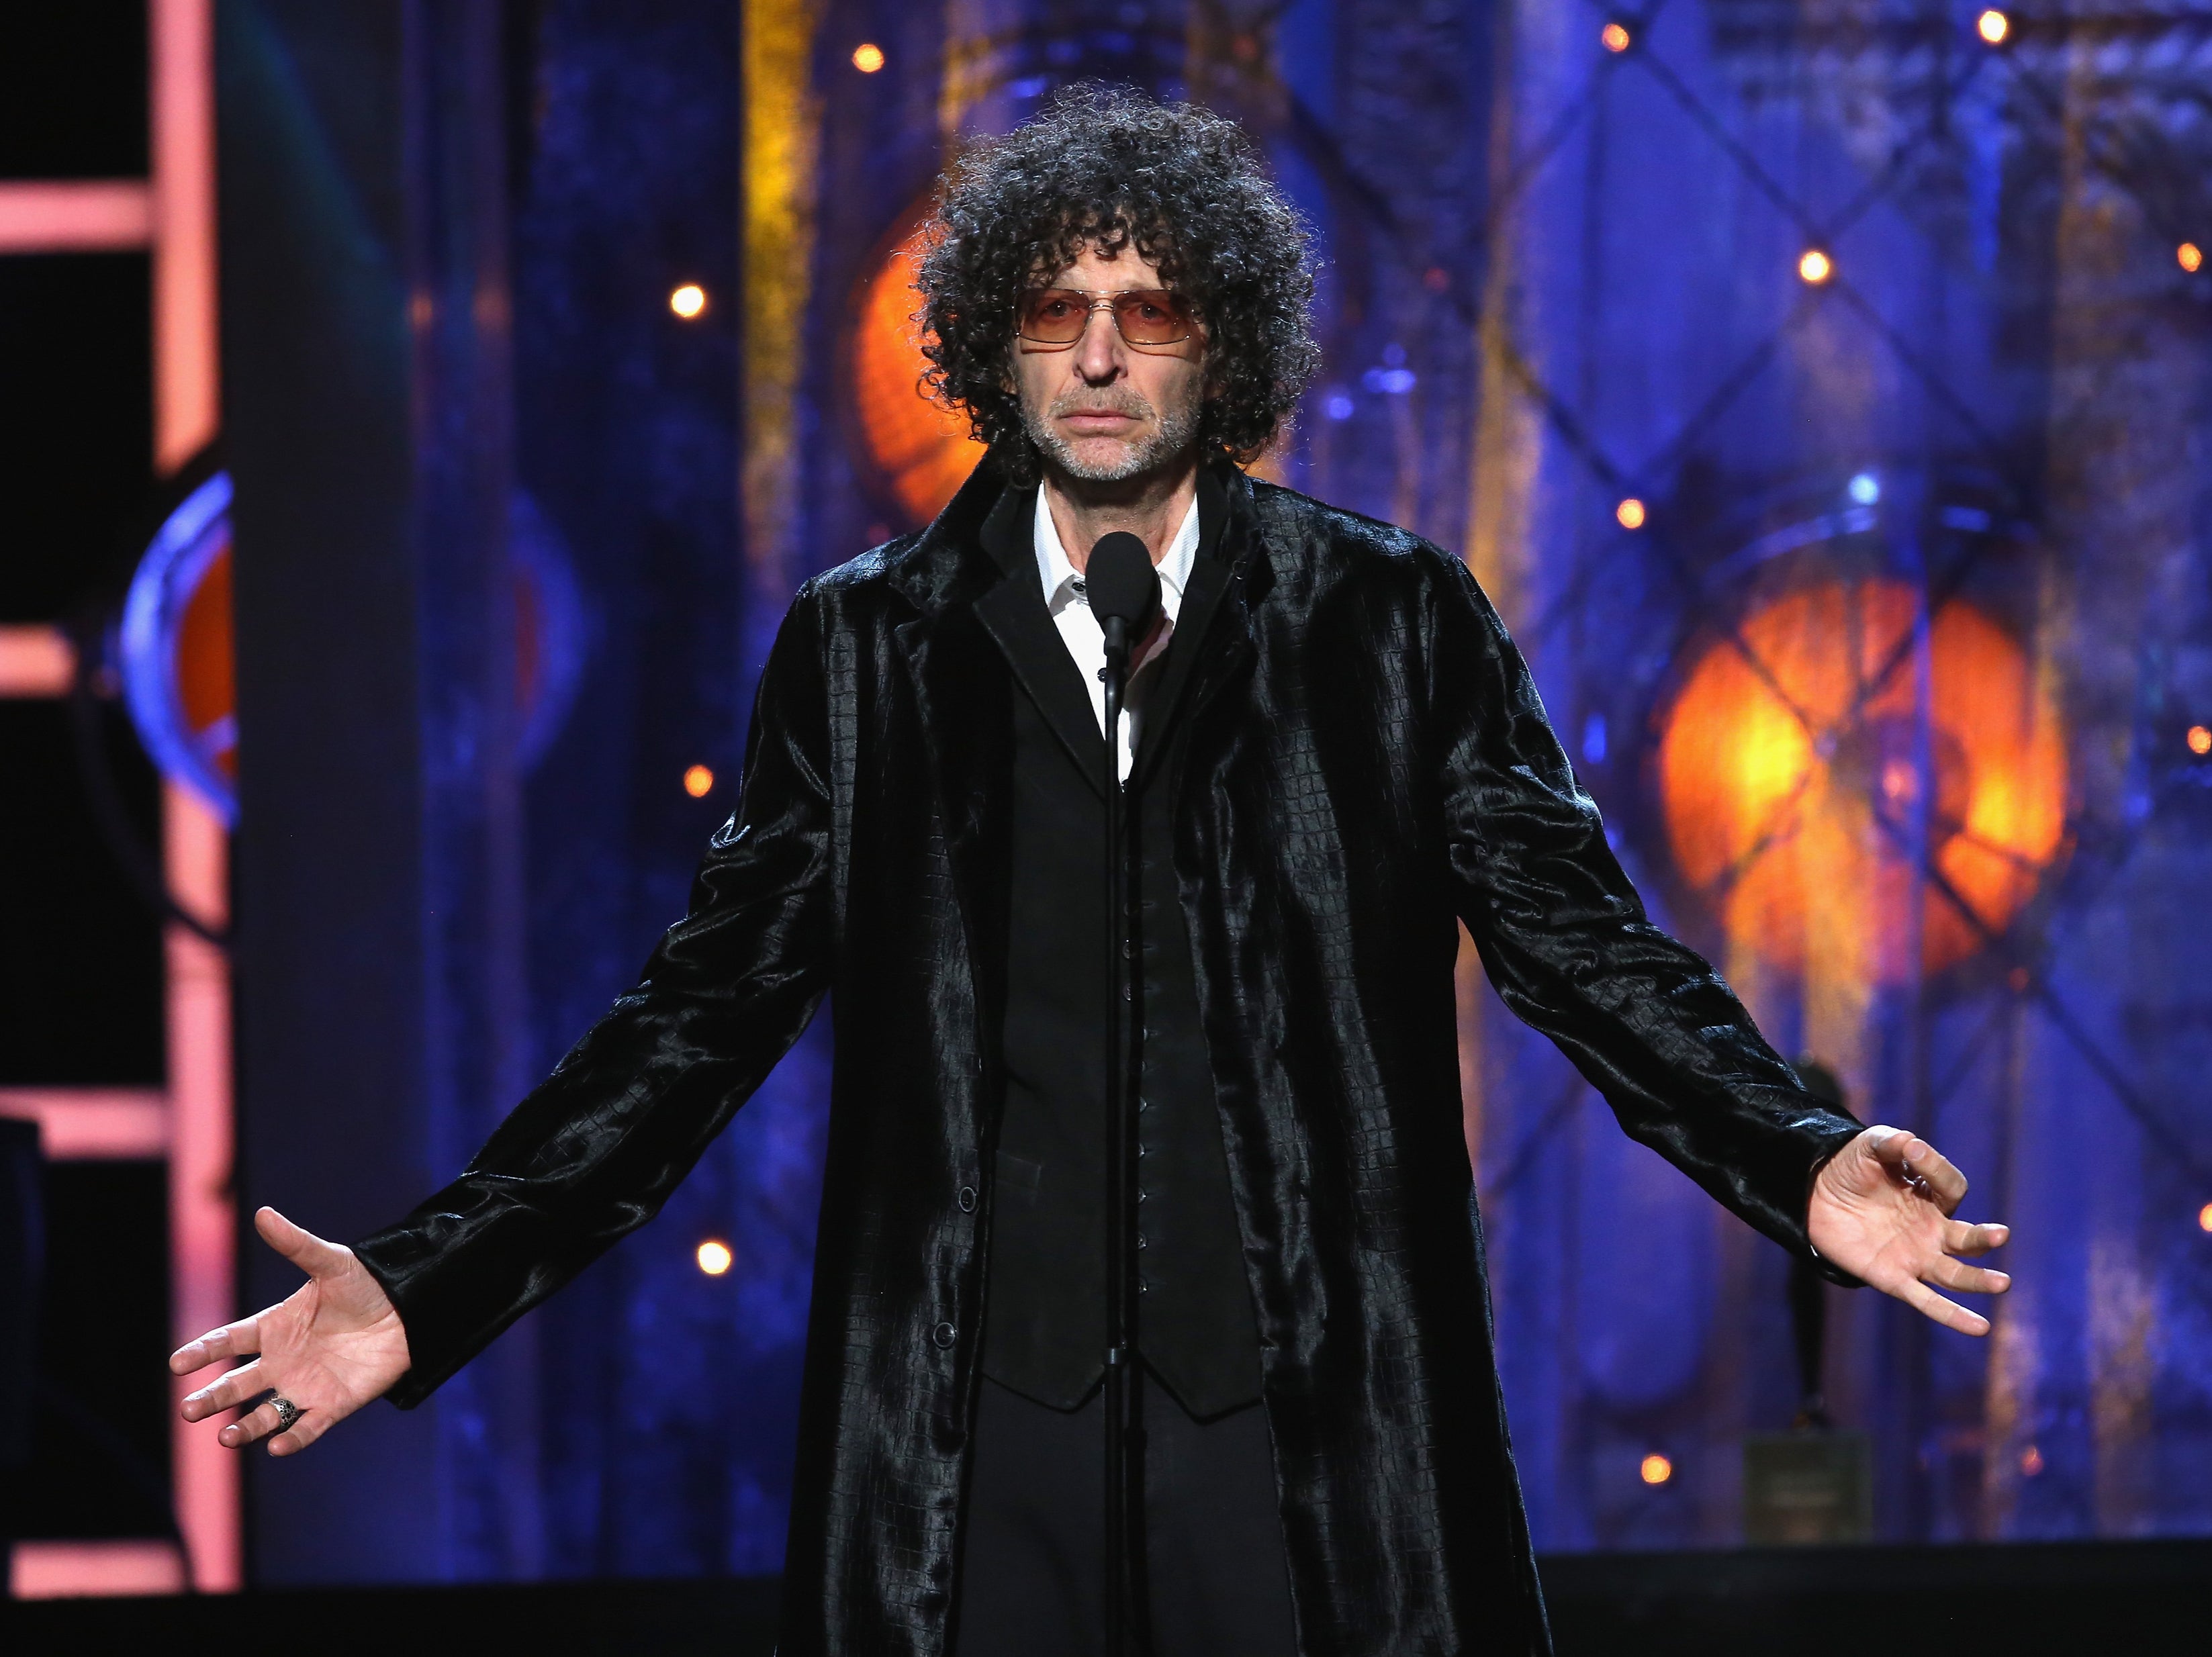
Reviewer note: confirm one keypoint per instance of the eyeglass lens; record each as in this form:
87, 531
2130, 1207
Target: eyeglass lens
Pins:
1146, 316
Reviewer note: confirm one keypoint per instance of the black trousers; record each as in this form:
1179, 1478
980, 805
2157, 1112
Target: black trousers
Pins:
1033, 1551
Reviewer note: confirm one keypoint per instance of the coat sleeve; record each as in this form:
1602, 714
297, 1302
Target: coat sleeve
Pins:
592, 1152
1565, 941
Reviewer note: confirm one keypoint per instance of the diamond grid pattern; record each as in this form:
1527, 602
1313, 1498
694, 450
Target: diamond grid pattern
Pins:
2137, 159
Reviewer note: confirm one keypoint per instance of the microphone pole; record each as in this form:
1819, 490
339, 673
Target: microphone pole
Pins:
1124, 593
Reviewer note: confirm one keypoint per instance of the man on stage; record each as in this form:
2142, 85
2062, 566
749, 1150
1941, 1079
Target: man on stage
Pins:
1332, 755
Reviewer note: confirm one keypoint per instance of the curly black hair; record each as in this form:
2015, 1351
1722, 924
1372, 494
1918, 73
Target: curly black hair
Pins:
1110, 167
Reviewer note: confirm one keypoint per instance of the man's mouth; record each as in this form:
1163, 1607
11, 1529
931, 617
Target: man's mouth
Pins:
1097, 420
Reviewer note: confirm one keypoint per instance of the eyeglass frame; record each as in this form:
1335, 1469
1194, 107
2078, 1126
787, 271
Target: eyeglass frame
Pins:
1103, 299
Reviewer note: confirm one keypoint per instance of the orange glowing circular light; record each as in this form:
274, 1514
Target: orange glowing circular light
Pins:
2031, 1461
698, 782
1656, 1469
2190, 257
867, 57
1615, 37
207, 669
2204, 1217
921, 450
1792, 781
1629, 513
715, 1258
1815, 266
688, 301
1993, 25
2200, 740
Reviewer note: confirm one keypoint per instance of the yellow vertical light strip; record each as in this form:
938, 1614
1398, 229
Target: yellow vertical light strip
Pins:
1508, 447
2122, 490
1508, 441
195, 847
980, 36
1505, 450
781, 127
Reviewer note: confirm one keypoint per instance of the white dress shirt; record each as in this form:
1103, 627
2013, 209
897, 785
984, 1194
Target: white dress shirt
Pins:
1079, 630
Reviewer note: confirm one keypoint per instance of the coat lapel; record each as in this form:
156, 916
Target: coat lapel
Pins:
1013, 610
1212, 641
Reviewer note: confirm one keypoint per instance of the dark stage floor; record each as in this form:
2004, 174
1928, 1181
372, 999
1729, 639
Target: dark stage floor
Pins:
2019, 1601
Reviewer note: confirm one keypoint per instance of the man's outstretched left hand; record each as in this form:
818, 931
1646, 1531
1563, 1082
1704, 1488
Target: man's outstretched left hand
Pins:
1881, 1210
335, 1345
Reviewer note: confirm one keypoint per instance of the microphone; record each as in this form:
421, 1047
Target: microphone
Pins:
1124, 589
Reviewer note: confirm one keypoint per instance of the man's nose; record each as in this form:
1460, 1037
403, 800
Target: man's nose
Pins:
1098, 353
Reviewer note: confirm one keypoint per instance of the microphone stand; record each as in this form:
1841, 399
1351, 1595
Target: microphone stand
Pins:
1124, 595
1122, 1440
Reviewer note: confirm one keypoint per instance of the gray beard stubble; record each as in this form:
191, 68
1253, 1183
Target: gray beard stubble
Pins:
1170, 442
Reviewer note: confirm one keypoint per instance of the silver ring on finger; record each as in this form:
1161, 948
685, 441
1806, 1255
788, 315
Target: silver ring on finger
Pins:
287, 1411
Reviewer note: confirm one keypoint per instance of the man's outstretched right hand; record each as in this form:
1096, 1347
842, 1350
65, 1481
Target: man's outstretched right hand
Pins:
335, 1345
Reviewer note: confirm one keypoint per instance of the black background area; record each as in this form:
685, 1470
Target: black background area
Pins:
73, 89
81, 968
75, 427
99, 1428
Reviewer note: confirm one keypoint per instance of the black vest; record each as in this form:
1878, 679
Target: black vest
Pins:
1045, 1318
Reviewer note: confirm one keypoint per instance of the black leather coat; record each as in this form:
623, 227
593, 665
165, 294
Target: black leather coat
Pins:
1366, 759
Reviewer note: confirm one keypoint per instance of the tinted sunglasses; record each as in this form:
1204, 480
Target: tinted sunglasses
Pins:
1146, 316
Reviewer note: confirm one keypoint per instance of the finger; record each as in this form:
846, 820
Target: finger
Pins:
255, 1423
1886, 1144
310, 1426
1966, 1279
1942, 1176
313, 1256
1949, 1314
234, 1340
1960, 1238
227, 1393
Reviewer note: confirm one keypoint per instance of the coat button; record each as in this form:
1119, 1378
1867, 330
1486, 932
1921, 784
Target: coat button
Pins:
967, 1199
943, 1334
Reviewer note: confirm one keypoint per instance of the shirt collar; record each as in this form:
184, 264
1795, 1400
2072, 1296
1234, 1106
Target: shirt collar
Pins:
1057, 574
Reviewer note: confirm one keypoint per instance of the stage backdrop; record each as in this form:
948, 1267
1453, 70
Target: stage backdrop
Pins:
1820, 390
